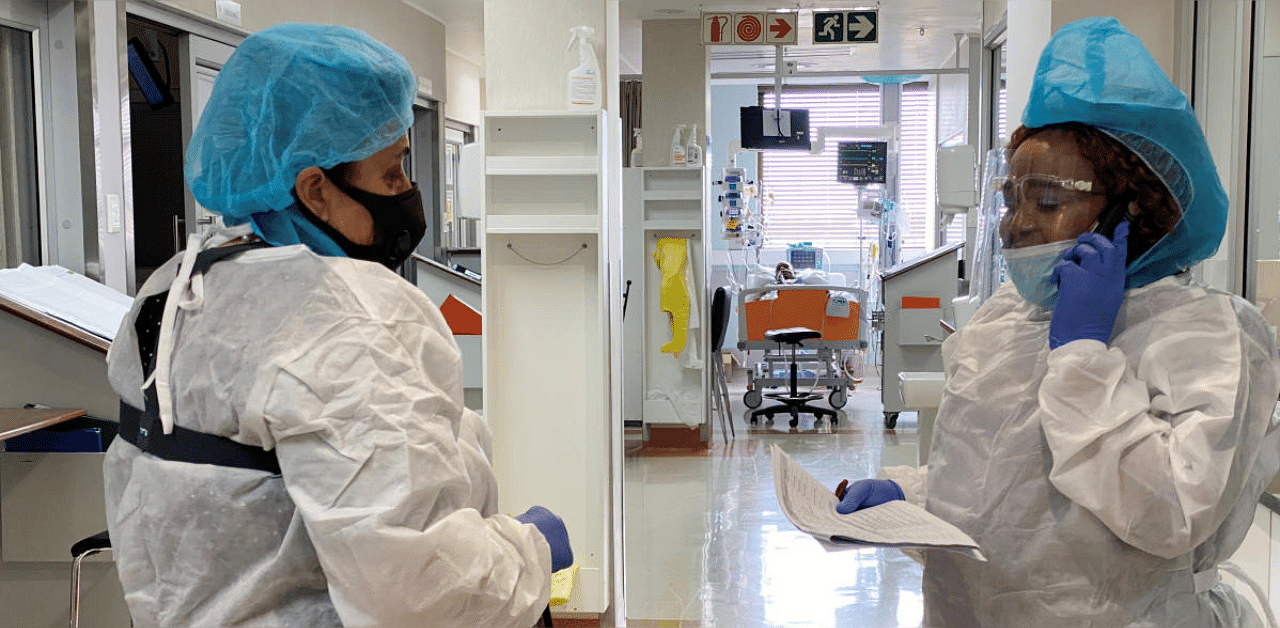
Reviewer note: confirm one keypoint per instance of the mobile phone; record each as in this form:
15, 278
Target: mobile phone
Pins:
1116, 212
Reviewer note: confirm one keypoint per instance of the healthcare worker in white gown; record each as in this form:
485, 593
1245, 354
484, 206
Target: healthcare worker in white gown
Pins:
1106, 427
383, 512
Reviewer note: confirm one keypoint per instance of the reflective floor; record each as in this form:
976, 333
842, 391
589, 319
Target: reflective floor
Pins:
707, 544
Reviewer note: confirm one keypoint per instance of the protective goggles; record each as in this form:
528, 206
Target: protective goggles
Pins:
1044, 192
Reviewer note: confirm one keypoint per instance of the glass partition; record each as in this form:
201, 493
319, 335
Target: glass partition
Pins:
20, 240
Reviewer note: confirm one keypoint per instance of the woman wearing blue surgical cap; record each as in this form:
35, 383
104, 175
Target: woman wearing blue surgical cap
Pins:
294, 449
1107, 425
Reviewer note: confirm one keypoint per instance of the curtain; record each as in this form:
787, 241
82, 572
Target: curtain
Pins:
630, 118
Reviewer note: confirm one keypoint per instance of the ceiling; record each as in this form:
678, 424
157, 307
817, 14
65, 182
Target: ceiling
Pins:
914, 34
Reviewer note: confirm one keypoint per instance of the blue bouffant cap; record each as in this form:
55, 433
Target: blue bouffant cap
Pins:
1097, 73
290, 97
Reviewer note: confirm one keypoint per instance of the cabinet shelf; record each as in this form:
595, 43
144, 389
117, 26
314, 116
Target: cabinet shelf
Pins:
543, 165
677, 224
548, 223
673, 195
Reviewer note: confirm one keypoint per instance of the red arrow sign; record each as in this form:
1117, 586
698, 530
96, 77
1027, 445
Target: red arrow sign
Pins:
780, 28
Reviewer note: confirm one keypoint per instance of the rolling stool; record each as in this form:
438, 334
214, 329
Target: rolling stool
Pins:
793, 402
83, 549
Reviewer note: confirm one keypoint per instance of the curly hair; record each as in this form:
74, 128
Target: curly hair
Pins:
1120, 172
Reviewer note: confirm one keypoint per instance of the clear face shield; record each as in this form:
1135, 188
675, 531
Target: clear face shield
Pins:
987, 269
1034, 204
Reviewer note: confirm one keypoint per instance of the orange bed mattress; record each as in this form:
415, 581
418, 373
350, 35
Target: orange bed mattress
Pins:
801, 308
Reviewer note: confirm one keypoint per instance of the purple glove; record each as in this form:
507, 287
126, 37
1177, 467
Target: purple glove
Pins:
552, 529
1090, 281
868, 493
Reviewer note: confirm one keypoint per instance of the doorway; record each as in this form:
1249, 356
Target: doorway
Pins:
156, 144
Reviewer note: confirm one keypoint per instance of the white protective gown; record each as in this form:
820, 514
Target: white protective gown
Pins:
1104, 484
385, 512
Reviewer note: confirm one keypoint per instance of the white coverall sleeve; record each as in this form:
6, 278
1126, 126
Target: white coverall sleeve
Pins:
1160, 450
392, 478
912, 480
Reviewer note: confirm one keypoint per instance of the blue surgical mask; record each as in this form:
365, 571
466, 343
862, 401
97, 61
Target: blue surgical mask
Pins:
1031, 268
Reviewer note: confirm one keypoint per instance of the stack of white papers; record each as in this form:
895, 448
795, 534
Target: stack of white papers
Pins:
67, 296
811, 507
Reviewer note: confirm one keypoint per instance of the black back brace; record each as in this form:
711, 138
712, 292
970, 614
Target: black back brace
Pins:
142, 427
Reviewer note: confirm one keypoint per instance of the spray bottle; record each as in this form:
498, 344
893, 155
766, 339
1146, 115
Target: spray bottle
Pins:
636, 153
584, 80
677, 146
693, 153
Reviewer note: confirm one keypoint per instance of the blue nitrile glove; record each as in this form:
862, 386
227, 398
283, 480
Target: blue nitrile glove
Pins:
1090, 281
868, 493
552, 529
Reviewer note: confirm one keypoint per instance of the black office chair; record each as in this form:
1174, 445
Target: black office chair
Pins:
719, 381
83, 549
792, 401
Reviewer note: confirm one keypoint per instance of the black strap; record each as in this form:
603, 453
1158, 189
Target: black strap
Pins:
207, 258
142, 427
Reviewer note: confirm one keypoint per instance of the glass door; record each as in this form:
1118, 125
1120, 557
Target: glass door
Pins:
20, 229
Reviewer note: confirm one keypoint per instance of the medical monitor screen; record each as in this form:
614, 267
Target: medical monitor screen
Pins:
146, 77
861, 163
765, 129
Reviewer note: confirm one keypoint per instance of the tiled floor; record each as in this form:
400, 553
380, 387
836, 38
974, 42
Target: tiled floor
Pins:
708, 546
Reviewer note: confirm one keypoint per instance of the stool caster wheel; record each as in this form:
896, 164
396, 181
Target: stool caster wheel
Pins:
753, 420
890, 420
794, 422
752, 398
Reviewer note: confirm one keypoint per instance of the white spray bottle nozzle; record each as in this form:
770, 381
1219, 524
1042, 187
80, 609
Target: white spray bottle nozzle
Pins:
579, 33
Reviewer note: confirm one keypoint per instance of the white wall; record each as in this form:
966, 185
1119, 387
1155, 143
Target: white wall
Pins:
675, 84
1029, 27
412, 33
464, 103
1265, 187
526, 64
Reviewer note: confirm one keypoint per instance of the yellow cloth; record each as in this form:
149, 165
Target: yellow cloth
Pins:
562, 584
671, 256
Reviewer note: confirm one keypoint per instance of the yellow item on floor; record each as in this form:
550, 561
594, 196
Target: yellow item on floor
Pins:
562, 584
671, 257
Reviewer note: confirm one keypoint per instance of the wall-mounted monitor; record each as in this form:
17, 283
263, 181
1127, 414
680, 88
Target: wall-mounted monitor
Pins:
861, 163
144, 74
765, 129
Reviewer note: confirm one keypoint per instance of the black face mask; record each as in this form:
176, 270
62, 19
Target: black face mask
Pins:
398, 225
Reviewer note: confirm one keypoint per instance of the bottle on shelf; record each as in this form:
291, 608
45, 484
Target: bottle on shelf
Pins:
693, 152
584, 79
677, 146
637, 152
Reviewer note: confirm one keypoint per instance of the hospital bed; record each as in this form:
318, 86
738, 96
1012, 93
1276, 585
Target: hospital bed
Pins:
835, 311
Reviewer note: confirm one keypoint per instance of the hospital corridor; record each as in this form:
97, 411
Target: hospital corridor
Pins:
708, 527
639, 313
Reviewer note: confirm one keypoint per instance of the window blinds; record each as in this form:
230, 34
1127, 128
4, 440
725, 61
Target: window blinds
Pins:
802, 200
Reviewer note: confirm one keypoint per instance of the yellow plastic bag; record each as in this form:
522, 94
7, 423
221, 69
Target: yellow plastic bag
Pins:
562, 584
671, 257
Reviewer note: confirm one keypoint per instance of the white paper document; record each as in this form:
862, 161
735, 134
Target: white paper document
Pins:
65, 295
811, 507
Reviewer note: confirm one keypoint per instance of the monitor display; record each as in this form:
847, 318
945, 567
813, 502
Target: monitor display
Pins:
861, 163
144, 74
764, 129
